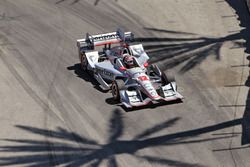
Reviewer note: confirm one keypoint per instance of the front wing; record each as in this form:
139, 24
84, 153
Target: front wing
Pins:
134, 99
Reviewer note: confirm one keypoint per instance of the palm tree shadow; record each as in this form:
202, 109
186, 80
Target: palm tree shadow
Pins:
189, 49
243, 14
186, 49
245, 139
63, 147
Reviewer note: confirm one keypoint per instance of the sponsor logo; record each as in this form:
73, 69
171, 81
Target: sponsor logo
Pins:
104, 72
149, 88
106, 37
153, 93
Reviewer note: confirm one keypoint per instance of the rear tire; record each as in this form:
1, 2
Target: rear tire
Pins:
155, 69
84, 62
116, 86
167, 77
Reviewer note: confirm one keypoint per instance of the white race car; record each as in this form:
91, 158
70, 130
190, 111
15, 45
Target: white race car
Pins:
124, 69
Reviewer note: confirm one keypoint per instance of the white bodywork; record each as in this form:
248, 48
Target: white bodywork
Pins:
107, 66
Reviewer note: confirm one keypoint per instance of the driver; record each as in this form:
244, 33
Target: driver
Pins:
128, 61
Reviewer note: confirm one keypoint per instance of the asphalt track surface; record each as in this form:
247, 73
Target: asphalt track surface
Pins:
53, 114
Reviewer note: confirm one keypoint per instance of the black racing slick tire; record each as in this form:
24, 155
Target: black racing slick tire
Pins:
116, 86
167, 77
84, 62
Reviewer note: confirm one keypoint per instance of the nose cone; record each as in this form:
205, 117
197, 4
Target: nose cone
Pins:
157, 98
154, 95
150, 91
147, 86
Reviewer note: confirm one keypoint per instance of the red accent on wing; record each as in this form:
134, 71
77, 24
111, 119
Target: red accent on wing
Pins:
107, 42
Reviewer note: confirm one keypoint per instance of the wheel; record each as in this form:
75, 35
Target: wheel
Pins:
84, 62
116, 86
155, 69
167, 77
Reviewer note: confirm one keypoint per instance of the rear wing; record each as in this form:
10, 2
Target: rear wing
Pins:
103, 39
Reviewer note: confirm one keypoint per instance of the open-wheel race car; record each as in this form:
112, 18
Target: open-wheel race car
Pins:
123, 67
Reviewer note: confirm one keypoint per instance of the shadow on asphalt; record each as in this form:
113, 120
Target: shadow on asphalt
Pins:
111, 101
76, 1
188, 50
243, 16
85, 76
67, 148
150, 106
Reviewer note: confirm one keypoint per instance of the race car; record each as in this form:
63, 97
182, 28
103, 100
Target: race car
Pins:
123, 68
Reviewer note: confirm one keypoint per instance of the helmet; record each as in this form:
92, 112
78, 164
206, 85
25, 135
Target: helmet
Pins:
128, 60
125, 45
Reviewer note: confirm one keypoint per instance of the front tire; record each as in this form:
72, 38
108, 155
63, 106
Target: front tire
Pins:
116, 86
167, 77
